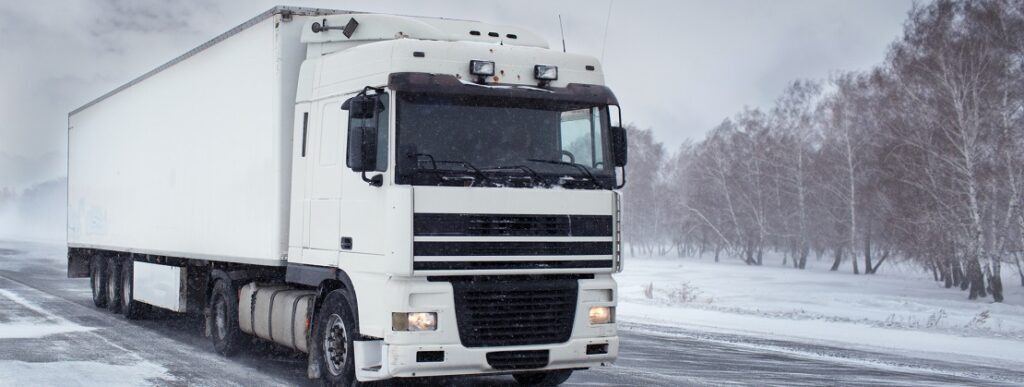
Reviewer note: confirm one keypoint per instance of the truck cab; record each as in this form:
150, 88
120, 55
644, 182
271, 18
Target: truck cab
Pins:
460, 179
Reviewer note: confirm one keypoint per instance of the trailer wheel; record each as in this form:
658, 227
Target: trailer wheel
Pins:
226, 334
334, 333
543, 379
98, 280
132, 309
113, 285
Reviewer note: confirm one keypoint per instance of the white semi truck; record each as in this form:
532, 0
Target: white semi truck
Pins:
394, 196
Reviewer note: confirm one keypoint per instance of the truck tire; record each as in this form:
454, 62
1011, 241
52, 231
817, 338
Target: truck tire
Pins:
132, 310
113, 285
98, 280
543, 379
335, 332
226, 334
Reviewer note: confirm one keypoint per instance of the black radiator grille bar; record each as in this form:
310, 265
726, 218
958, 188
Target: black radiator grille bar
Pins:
513, 265
506, 249
432, 224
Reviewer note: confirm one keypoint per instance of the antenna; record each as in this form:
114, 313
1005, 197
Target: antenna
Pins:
562, 31
606, 22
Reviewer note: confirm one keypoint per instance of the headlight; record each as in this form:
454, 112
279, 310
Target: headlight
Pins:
602, 314
545, 72
481, 67
414, 321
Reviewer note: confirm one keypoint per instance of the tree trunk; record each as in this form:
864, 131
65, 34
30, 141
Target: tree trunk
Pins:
838, 258
853, 258
995, 280
945, 274
803, 258
867, 252
874, 269
975, 279
959, 278
1020, 270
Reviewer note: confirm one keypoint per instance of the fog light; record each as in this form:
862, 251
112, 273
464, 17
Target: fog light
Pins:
545, 72
602, 314
481, 67
414, 322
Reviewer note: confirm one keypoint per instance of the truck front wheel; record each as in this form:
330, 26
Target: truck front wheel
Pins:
543, 379
335, 334
98, 280
227, 337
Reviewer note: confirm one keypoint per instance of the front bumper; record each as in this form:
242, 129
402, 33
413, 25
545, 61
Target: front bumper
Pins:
376, 360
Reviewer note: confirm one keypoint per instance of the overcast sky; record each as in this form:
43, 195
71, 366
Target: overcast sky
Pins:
678, 67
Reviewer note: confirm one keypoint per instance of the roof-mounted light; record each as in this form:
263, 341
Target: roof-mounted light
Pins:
545, 72
481, 68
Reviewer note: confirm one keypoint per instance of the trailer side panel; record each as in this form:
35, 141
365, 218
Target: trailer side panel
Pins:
191, 161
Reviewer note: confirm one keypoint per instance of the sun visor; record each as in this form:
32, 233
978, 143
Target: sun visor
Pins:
449, 84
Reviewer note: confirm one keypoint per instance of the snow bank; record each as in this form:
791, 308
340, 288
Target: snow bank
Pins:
902, 310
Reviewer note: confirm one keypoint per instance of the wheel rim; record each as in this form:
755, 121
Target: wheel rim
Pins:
220, 317
335, 345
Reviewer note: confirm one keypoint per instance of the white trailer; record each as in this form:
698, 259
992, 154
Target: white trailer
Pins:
394, 196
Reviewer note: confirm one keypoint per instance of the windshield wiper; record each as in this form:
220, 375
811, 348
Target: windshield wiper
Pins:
474, 171
580, 167
536, 177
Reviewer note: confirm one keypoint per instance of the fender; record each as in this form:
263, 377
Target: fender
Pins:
326, 280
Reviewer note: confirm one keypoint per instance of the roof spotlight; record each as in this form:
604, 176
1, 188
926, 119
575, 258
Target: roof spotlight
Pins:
545, 72
481, 67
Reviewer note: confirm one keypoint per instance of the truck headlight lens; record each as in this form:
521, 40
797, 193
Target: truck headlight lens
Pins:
602, 314
481, 67
414, 321
545, 72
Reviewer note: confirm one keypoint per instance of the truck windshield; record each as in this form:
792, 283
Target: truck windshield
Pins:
489, 141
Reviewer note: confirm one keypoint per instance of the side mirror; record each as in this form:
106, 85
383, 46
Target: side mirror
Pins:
619, 145
363, 111
362, 107
362, 148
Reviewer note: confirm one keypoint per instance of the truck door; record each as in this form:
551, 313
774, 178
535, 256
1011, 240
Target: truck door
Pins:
362, 202
324, 166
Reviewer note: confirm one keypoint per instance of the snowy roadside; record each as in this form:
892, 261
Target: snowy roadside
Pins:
895, 310
36, 347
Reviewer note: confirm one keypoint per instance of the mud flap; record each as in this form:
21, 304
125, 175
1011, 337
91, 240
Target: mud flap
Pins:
313, 361
78, 264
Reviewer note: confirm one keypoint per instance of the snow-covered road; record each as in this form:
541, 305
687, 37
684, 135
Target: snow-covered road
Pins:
50, 334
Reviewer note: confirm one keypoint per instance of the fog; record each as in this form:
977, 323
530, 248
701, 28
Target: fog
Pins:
678, 67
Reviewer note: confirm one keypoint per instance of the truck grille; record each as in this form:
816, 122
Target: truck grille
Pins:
509, 312
430, 224
517, 360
